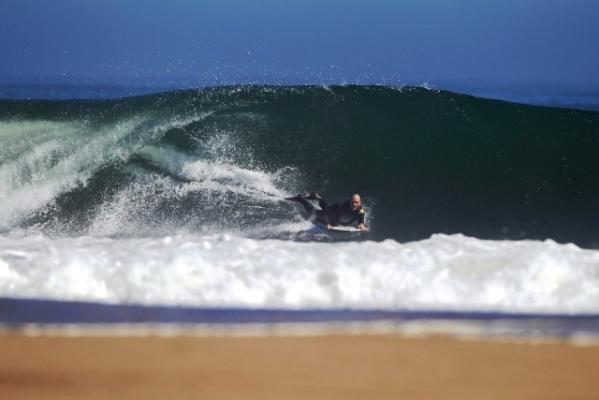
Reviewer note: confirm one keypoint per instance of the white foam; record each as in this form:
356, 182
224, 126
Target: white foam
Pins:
133, 210
443, 272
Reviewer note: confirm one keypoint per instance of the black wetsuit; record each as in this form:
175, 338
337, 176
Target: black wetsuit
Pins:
334, 214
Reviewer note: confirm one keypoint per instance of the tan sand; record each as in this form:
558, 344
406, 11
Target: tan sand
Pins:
323, 367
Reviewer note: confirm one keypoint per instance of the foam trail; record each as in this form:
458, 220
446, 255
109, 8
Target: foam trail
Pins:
216, 194
219, 176
215, 174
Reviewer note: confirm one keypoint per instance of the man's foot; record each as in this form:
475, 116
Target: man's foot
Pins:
298, 197
305, 195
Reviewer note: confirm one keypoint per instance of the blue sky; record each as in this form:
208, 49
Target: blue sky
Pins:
307, 41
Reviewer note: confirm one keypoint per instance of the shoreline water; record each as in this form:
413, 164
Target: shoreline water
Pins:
34, 317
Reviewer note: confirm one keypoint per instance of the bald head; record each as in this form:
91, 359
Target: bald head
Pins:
356, 201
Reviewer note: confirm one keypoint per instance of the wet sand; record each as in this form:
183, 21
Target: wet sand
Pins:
340, 367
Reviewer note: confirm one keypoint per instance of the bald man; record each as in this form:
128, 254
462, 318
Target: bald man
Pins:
346, 213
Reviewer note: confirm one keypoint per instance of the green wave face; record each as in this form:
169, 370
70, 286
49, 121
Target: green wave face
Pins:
221, 159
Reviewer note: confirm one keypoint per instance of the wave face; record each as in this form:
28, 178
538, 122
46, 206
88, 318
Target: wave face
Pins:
220, 160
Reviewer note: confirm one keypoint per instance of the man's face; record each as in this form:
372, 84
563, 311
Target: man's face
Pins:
356, 202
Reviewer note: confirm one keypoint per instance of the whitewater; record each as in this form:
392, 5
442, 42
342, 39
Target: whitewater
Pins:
178, 199
445, 272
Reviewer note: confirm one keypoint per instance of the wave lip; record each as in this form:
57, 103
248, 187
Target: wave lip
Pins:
63, 157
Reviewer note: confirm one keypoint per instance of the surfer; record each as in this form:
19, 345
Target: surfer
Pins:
344, 213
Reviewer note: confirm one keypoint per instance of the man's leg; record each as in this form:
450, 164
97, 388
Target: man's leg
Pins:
309, 207
314, 214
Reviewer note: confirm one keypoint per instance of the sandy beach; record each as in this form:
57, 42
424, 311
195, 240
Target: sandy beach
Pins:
318, 367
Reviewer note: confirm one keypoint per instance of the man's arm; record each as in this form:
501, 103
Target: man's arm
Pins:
323, 219
362, 220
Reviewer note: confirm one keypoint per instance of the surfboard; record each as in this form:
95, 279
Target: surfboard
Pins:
340, 228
